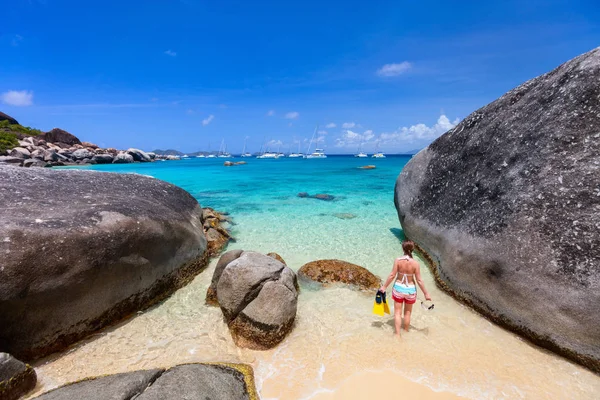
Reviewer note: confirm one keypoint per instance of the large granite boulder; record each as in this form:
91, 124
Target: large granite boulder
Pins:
139, 155
329, 272
507, 204
6, 117
82, 249
102, 158
258, 298
81, 154
224, 260
187, 381
123, 158
16, 377
58, 135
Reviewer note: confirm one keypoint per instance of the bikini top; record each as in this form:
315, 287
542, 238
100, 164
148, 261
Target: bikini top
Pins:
404, 279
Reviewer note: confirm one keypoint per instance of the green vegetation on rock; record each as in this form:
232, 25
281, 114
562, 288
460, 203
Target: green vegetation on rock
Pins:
6, 126
7, 141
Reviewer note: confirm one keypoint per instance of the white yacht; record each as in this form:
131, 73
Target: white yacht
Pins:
319, 153
360, 153
223, 150
211, 156
200, 156
244, 152
378, 154
268, 155
296, 155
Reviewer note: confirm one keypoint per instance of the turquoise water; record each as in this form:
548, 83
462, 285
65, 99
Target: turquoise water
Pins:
262, 198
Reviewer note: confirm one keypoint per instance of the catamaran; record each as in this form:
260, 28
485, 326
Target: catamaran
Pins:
378, 154
296, 155
268, 154
319, 153
360, 154
223, 150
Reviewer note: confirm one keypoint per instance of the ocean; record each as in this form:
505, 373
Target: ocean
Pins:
336, 338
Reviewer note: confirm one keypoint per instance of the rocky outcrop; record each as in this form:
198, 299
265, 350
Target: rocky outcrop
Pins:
218, 381
226, 258
99, 245
507, 205
16, 377
6, 117
258, 299
139, 155
123, 158
58, 135
215, 230
337, 271
277, 257
320, 196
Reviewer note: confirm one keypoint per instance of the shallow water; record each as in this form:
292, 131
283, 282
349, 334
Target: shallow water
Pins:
335, 336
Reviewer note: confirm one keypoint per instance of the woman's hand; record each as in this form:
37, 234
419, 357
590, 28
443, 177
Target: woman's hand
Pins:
382, 289
428, 297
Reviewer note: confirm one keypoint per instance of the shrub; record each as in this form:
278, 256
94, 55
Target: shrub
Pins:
7, 141
25, 130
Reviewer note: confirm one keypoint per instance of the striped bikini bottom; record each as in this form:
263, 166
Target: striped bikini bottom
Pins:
404, 293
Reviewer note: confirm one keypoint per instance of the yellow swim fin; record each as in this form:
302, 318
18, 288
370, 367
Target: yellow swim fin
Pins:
378, 309
378, 306
386, 308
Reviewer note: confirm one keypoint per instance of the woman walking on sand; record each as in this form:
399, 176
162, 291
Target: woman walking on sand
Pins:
404, 273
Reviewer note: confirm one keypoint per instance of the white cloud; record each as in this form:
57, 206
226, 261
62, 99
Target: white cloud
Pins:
419, 132
273, 142
292, 115
368, 135
322, 132
17, 98
270, 113
330, 125
348, 125
171, 53
16, 40
394, 69
208, 120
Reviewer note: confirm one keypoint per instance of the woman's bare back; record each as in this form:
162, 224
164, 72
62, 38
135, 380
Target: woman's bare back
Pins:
408, 267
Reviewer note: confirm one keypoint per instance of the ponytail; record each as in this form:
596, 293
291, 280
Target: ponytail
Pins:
408, 247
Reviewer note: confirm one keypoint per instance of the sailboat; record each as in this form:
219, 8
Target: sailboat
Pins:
360, 154
296, 155
223, 150
244, 154
318, 153
268, 154
378, 154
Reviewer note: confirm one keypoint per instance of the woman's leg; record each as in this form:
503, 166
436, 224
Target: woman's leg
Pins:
407, 312
398, 317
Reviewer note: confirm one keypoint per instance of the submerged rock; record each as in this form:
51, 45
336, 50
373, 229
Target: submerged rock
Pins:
338, 271
218, 381
99, 245
345, 215
16, 378
320, 196
258, 298
508, 202
367, 167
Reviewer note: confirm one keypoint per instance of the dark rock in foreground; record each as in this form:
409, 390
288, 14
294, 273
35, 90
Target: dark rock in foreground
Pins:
508, 205
258, 297
16, 377
187, 381
82, 249
338, 271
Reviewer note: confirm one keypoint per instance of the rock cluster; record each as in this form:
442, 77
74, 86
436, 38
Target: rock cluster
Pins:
320, 196
82, 249
258, 297
337, 271
215, 230
233, 163
218, 381
507, 205
16, 377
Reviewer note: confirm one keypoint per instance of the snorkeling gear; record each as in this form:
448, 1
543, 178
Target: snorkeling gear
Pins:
386, 308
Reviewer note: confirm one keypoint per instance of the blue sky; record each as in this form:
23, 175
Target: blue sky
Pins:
187, 74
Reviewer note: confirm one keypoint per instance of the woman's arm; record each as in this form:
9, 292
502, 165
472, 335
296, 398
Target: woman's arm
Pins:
421, 283
390, 277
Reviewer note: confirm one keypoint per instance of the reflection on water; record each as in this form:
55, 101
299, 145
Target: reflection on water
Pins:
335, 335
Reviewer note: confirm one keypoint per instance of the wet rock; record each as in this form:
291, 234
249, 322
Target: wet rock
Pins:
16, 378
303, 194
139, 155
367, 167
60, 137
345, 215
508, 202
258, 299
217, 381
123, 158
231, 163
85, 242
217, 240
338, 271
324, 196
226, 258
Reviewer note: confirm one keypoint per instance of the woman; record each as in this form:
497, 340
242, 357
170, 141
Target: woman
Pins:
405, 271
